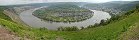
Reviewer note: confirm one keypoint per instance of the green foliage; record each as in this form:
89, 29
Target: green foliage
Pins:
43, 28
2, 15
107, 32
63, 13
74, 28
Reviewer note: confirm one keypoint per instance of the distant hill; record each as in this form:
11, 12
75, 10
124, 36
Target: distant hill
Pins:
111, 31
114, 7
48, 4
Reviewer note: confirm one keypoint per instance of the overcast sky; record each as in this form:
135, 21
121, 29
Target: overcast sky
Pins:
9, 2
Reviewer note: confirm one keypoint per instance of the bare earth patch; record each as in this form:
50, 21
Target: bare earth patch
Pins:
7, 35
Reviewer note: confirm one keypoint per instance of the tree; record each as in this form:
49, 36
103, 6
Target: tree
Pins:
102, 22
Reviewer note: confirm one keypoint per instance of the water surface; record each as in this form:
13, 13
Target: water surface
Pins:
33, 21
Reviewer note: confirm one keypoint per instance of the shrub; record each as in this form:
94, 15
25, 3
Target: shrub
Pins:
73, 28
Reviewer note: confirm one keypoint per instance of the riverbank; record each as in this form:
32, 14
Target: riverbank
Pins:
63, 13
14, 17
106, 32
33, 21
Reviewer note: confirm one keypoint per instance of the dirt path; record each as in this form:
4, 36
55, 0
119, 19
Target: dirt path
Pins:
7, 35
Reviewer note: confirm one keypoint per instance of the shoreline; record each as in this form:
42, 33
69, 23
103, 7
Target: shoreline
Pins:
14, 17
33, 21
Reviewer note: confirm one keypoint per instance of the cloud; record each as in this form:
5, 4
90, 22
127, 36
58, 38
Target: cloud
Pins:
9, 2
129, 0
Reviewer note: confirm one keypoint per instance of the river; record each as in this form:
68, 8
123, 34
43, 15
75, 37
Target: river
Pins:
31, 20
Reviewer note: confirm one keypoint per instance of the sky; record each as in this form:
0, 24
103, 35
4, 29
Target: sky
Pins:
11, 2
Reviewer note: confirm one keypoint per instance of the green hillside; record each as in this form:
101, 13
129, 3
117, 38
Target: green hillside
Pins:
2, 15
106, 32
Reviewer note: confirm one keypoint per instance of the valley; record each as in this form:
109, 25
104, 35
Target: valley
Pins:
86, 21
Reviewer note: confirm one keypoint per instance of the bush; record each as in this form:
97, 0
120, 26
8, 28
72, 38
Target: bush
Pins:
73, 28
43, 28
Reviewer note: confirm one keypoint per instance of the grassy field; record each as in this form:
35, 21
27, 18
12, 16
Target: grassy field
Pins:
108, 32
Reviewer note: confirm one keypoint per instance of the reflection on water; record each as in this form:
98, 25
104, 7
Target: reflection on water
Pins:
33, 21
